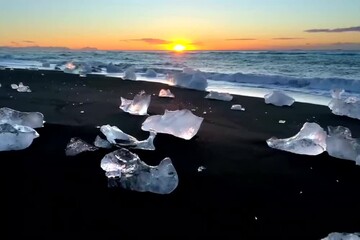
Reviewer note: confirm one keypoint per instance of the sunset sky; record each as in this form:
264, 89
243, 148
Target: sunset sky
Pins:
196, 24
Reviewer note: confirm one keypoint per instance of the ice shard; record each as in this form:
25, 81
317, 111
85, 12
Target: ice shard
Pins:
166, 93
340, 144
180, 123
137, 106
102, 143
237, 107
344, 106
219, 96
16, 137
125, 169
278, 98
130, 73
117, 137
311, 140
30, 119
77, 146
342, 236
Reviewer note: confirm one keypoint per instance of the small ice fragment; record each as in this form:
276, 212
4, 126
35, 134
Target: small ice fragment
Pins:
219, 96
166, 93
342, 236
101, 143
82, 75
204, 112
22, 88
81, 111
117, 137
137, 106
16, 137
311, 140
150, 73
30, 119
201, 168
180, 123
282, 121
344, 107
14, 86
237, 107
278, 98
125, 169
76, 146
256, 218
340, 144
130, 73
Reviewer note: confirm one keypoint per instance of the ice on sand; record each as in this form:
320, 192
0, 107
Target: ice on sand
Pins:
137, 106
130, 73
278, 98
180, 123
166, 93
340, 144
237, 107
311, 140
342, 236
344, 107
16, 137
150, 73
30, 119
77, 145
21, 87
102, 143
125, 169
117, 137
219, 96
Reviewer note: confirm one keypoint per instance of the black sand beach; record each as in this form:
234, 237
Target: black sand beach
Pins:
247, 191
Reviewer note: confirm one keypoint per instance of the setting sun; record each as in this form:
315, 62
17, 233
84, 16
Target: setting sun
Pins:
179, 48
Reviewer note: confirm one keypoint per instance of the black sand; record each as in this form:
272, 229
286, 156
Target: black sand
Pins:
248, 190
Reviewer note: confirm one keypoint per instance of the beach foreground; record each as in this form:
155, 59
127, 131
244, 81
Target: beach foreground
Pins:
247, 190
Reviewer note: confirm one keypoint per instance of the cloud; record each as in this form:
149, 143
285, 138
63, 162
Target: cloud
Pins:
154, 41
28, 41
241, 39
15, 43
286, 38
335, 30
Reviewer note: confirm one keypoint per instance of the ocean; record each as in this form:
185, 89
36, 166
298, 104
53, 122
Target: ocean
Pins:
308, 76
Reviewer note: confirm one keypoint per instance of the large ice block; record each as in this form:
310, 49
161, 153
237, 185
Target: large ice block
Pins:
150, 73
137, 106
344, 107
219, 96
77, 146
180, 123
340, 144
342, 236
125, 169
190, 78
278, 98
117, 137
311, 140
30, 119
16, 137
166, 93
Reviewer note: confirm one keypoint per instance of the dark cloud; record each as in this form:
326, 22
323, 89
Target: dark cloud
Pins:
15, 43
28, 41
241, 39
286, 38
154, 41
335, 30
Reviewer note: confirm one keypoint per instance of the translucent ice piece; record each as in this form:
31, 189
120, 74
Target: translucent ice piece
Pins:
14, 86
166, 93
77, 145
179, 123
190, 79
22, 88
311, 140
117, 137
237, 107
340, 144
30, 119
130, 74
16, 137
150, 73
102, 143
342, 236
219, 96
344, 107
125, 169
278, 98
137, 106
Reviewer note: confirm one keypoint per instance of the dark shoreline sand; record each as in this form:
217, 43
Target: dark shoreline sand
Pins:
292, 196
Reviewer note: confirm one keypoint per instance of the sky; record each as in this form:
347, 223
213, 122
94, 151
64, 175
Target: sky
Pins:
195, 24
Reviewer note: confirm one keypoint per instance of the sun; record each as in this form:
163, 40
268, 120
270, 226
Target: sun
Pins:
179, 48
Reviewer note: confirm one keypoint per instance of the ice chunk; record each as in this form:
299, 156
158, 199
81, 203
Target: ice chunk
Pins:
340, 144
14, 86
311, 140
23, 88
344, 107
130, 73
46, 64
30, 119
101, 143
337, 93
190, 79
237, 107
111, 68
125, 169
76, 146
278, 98
137, 106
150, 73
166, 93
117, 137
219, 96
16, 137
282, 121
179, 123
201, 168
342, 236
